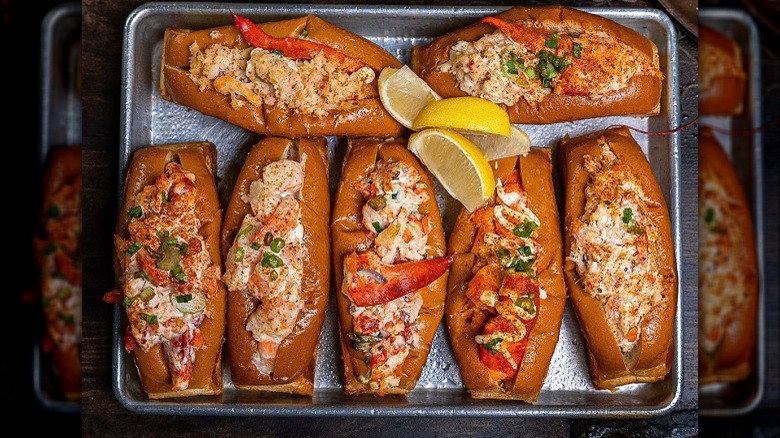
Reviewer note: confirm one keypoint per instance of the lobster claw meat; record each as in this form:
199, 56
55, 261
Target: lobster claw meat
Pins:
370, 282
516, 33
295, 48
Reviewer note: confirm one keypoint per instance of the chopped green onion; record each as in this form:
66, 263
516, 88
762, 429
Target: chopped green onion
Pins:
303, 33
49, 250
555, 36
165, 197
526, 303
513, 64
574, 35
136, 212
492, 345
238, 257
133, 248
524, 262
394, 195
709, 215
146, 295
271, 260
178, 273
530, 73
246, 230
277, 244
143, 274
170, 258
268, 238
127, 301
364, 342
577, 50
162, 234
53, 211
277, 52
504, 256
627, 215
255, 246
549, 66
525, 229
551, 43
151, 319
184, 248
632, 226
377, 227
190, 303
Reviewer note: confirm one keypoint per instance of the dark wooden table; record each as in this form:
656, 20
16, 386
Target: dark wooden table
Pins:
103, 25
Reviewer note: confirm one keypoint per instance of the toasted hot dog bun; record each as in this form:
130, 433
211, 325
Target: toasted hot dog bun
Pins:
733, 358
147, 164
293, 370
368, 119
641, 96
465, 320
63, 167
349, 236
652, 355
721, 74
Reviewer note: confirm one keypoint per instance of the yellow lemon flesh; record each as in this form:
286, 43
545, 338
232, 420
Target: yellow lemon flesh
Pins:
457, 163
498, 146
404, 94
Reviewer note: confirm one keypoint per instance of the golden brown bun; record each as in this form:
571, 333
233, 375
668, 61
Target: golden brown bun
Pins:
465, 321
369, 119
654, 351
641, 97
349, 235
726, 93
147, 164
63, 167
733, 361
296, 357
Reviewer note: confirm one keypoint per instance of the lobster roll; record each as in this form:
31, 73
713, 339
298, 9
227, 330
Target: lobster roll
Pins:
389, 266
506, 291
168, 269
275, 242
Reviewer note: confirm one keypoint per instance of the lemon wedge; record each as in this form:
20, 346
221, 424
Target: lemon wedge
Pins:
404, 94
470, 114
498, 146
457, 163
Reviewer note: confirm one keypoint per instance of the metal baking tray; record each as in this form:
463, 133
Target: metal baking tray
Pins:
147, 119
721, 399
60, 125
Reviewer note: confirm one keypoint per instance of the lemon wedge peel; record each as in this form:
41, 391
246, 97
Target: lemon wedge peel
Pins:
464, 114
